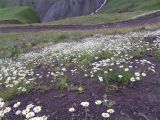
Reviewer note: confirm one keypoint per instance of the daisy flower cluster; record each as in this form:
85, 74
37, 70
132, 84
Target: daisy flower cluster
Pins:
123, 70
99, 52
105, 57
3, 110
29, 113
86, 104
15, 74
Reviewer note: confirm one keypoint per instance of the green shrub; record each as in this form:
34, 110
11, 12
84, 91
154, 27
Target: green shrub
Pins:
113, 76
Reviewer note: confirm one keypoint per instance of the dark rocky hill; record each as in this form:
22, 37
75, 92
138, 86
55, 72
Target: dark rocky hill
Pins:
49, 10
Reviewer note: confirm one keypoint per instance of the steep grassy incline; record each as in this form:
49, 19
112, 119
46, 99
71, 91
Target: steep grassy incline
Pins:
114, 11
131, 6
21, 14
7, 3
98, 18
49, 10
3, 3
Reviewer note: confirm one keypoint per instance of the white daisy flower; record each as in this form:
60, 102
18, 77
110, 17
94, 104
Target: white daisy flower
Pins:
105, 115
85, 104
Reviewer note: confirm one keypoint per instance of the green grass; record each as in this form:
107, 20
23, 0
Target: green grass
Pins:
113, 76
117, 6
114, 11
98, 18
21, 14
7, 3
3, 3
13, 44
157, 53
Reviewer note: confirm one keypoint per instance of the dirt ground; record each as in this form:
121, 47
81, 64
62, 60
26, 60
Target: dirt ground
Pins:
135, 101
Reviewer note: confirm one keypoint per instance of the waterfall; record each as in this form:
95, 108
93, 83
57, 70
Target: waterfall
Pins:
99, 7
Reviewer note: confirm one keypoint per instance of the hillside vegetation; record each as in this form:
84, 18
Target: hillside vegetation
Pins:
49, 10
78, 72
2, 3
21, 14
98, 18
114, 11
131, 6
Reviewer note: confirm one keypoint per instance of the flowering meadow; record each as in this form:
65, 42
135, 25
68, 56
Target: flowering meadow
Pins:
110, 61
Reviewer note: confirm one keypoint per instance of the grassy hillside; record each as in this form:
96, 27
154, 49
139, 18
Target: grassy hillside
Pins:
131, 5
13, 3
3, 3
21, 14
98, 18
114, 11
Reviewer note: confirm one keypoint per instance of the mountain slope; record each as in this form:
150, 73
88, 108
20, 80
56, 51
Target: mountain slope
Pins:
63, 9
97, 19
57, 9
115, 10
21, 14
51, 10
130, 6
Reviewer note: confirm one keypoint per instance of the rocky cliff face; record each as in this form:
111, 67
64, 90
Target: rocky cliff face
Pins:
57, 9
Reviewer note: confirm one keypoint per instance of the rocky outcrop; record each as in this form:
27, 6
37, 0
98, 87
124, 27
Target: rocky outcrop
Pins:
72, 8
49, 10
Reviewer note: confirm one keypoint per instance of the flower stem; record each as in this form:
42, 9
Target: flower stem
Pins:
86, 114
